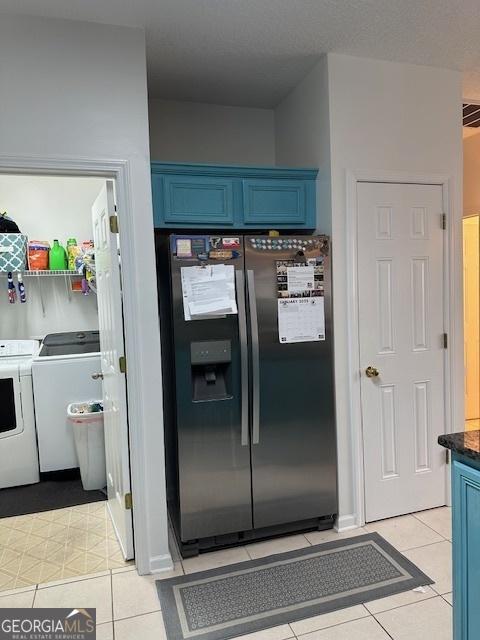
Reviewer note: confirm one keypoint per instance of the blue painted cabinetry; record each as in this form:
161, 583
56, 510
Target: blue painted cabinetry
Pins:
213, 196
274, 201
466, 547
189, 199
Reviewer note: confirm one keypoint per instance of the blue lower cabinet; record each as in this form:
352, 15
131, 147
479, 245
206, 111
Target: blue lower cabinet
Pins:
466, 548
216, 197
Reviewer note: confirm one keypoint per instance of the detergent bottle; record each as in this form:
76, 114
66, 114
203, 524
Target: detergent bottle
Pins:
72, 252
58, 257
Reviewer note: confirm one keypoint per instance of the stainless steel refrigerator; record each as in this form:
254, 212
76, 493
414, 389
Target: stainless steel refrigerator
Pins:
249, 407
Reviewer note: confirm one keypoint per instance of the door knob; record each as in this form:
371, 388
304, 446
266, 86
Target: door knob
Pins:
97, 376
371, 372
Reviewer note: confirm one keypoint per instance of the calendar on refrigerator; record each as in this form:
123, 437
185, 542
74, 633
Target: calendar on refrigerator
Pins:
301, 308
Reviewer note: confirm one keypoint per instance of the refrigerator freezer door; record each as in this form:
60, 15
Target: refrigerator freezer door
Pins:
214, 480
293, 421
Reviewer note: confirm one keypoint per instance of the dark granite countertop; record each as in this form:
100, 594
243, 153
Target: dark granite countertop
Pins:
466, 443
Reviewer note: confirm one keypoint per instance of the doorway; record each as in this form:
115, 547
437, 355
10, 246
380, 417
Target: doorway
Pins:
471, 301
401, 346
58, 519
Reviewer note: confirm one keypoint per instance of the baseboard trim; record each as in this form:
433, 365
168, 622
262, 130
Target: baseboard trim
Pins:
345, 523
159, 564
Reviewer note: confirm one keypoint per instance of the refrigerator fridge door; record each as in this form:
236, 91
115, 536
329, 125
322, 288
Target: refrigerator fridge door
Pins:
293, 422
211, 375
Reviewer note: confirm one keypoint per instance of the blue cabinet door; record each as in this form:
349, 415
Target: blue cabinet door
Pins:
466, 551
270, 202
197, 201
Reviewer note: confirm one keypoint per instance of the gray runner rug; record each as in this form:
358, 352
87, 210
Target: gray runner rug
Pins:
251, 596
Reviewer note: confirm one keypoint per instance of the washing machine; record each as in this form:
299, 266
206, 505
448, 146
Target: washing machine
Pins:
64, 371
18, 443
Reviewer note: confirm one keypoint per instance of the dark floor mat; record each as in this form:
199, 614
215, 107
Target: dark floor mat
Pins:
55, 490
260, 594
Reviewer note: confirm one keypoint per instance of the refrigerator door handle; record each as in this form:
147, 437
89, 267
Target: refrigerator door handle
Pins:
242, 330
255, 358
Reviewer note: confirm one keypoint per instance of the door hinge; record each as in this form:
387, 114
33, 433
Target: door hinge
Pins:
445, 340
114, 224
444, 221
122, 363
128, 501
447, 456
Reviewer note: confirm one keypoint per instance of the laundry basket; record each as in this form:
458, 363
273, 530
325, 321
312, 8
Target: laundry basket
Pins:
87, 421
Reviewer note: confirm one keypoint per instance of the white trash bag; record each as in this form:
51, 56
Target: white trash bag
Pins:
87, 422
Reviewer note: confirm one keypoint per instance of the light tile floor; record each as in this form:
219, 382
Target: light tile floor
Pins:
58, 544
128, 607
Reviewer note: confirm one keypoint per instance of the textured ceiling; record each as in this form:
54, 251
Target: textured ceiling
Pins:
252, 52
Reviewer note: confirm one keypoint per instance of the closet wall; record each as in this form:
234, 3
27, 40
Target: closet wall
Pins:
46, 208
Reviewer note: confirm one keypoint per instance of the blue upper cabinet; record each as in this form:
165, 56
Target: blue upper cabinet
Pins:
190, 199
268, 202
213, 196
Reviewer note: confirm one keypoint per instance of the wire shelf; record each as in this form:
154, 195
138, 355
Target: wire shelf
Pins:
46, 273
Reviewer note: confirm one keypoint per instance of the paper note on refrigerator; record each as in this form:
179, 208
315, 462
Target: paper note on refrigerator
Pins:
301, 319
208, 291
300, 279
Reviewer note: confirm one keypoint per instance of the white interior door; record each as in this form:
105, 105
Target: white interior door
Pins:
471, 306
110, 315
401, 328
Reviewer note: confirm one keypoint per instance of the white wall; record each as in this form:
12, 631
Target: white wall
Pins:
391, 117
302, 135
47, 207
471, 175
78, 90
197, 132
384, 117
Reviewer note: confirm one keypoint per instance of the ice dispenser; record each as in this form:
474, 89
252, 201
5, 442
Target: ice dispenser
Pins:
210, 362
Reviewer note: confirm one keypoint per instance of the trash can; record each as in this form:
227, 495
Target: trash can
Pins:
87, 423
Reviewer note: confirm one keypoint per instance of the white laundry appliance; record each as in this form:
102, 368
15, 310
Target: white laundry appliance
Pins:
67, 369
18, 442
